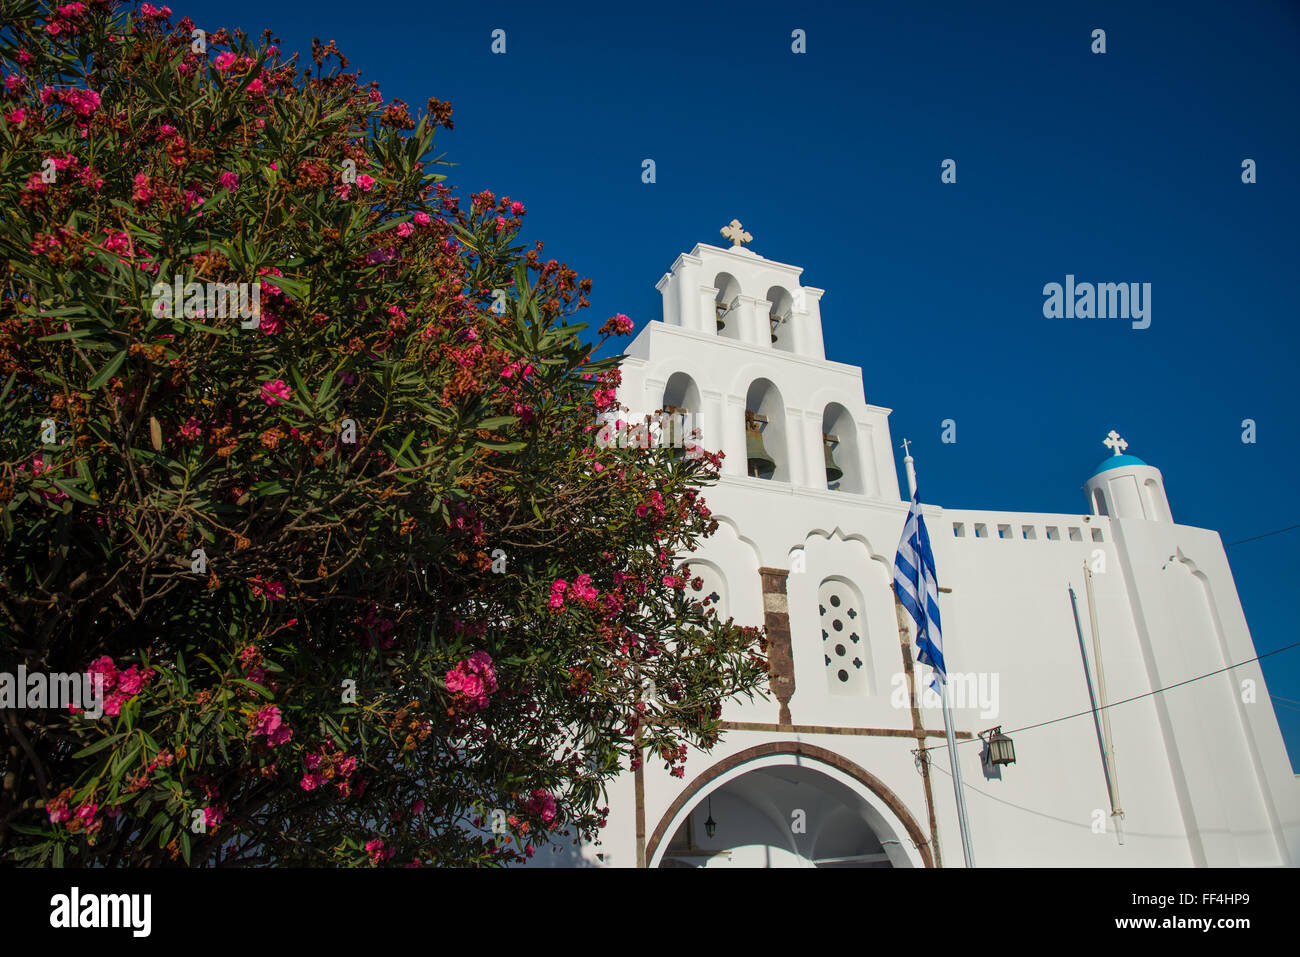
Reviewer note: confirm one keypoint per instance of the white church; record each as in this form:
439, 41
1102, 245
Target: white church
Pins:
1070, 639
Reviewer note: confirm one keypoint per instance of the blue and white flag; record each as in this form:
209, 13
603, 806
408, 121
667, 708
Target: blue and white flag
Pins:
917, 587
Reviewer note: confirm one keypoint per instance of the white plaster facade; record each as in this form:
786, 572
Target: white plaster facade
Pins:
1202, 771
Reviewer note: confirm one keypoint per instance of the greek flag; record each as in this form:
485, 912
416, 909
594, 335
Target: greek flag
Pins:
918, 589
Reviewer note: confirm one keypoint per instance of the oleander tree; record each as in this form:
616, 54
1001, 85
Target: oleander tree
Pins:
360, 583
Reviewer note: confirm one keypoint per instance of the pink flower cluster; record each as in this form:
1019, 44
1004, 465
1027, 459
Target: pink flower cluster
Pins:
85, 817
558, 588
582, 590
119, 686
324, 766
230, 63
271, 591
82, 102
471, 681
274, 392
268, 722
542, 804
524, 369
71, 13
375, 849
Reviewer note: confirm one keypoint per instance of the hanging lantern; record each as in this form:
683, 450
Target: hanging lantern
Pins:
761, 465
1001, 748
710, 825
833, 472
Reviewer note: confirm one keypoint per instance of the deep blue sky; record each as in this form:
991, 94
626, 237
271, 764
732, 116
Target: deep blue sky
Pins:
1117, 167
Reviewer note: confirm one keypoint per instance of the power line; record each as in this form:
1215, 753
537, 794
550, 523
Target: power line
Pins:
1115, 704
1265, 535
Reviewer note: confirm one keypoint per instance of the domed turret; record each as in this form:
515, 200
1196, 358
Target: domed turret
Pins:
1123, 486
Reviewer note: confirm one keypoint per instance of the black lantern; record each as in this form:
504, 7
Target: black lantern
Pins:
710, 825
1001, 748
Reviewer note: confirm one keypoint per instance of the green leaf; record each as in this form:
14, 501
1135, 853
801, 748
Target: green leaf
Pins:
99, 745
108, 371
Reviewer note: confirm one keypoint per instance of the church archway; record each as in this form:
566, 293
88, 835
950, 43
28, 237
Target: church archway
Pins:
788, 804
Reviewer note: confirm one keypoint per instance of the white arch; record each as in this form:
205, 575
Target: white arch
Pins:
883, 821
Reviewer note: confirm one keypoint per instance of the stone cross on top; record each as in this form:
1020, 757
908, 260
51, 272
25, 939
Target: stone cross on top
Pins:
1113, 441
736, 233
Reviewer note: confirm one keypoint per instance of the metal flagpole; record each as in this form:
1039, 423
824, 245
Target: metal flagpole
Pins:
966, 851
963, 822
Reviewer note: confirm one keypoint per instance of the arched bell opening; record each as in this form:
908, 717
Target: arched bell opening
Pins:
766, 444
840, 450
681, 412
726, 305
780, 318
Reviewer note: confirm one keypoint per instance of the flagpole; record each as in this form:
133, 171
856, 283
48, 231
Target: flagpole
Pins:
967, 852
963, 822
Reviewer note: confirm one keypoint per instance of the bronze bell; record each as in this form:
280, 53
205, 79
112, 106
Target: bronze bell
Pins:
761, 465
833, 472
719, 311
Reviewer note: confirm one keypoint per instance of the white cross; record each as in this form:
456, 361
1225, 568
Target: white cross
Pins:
1113, 441
736, 233
906, 450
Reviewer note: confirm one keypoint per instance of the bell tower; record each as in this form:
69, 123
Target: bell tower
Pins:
741, 338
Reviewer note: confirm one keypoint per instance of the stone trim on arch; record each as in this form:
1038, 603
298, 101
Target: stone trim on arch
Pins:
799, 749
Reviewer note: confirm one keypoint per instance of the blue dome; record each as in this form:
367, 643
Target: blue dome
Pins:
1117, 461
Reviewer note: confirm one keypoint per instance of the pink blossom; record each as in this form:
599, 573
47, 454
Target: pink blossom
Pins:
104, 666
517, 208
229, 181
364, 183
421, 219
501, 223
131, 681
225, 61
83, 102
542, 804
272, 591
255, 86
212, 816
405, 230
274, 392
269, 723
17, 117
143, 191
472, 680
583, 590
557, 592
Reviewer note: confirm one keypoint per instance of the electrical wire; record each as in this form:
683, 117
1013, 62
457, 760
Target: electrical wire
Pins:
1265, 535
1115, 704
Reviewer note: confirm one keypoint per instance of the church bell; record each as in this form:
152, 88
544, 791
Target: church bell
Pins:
761, 465
833, 472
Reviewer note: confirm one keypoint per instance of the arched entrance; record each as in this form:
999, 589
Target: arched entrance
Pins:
787, 805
